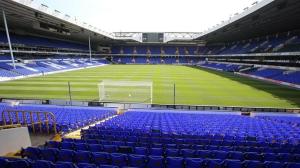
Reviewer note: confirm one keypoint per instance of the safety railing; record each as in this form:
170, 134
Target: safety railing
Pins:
34, 119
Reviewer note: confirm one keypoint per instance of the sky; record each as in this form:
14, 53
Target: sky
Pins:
150, 15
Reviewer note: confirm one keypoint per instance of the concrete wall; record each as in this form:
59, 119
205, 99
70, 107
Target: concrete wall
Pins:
12, 140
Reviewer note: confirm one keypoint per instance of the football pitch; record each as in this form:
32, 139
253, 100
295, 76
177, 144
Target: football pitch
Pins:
193, 86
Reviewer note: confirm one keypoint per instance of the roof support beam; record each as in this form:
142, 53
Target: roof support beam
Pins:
8, 39
90, 48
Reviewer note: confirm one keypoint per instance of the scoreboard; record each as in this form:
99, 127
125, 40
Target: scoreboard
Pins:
153, 37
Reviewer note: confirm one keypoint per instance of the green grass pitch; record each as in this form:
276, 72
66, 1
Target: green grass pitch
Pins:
193, 86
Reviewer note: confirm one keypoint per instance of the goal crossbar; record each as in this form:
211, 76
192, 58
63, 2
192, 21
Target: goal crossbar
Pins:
125, 91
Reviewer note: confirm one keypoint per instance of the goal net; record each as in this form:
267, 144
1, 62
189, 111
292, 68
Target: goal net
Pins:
125, 91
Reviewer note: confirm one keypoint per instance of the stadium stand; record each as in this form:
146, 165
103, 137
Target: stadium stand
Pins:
145, 138
68, 118
118, 137
34, 41
42, 66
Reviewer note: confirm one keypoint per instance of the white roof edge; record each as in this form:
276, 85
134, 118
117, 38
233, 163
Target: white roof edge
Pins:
65, 17
246, 12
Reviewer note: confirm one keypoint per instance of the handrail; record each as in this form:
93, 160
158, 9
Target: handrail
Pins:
48, 118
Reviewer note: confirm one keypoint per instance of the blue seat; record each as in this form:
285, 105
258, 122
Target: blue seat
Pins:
67, 145
155, 162
108, 166
270, 164
140, 151
252, 156
269, 157
253, 164
52, 144
220, 154
65, 155
194, 162
285, 157
95, 147
64, 165
82, 157
118, 159
213, 163
31, 153
156, 151
100, 158
3, 162
172, 152
292, 165
42, 164
171, 146
86, 165
80, 146
18, 164
92, 141
187, 153
49, 154
137, 160
236, 155
175, 162
203, 153
228, 163
110, 148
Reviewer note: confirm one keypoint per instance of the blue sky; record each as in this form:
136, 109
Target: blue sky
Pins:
150, 15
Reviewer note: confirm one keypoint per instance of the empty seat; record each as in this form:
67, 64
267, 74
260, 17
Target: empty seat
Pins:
42, 164
82, 157
86, 165
64, 165
172, 152
80, 146
3, 162
236, 155
65, 155
292, 165
118, 159
252, 156
140, 151
18, 164
269, 156
137, 160
220, 154
110, 148
95, 147
155, 161
228, 163
31, 153
187, 153
100, 158
253, 164
174, 162
156, 151
285, 157
193, 162
213, 163
52, 144
49, 154
203, 153
270, 164
67, 145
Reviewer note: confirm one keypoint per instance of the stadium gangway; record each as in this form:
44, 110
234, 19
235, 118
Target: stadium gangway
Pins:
13, 117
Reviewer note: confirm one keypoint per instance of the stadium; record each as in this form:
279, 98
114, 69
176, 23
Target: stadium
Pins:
75, 96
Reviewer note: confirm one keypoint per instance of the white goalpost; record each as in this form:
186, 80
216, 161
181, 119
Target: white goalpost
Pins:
125, 91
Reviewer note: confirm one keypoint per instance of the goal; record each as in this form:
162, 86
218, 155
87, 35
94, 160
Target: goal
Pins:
125, 91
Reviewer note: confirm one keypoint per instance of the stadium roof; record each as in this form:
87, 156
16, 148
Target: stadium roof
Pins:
265, 17
271, 17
